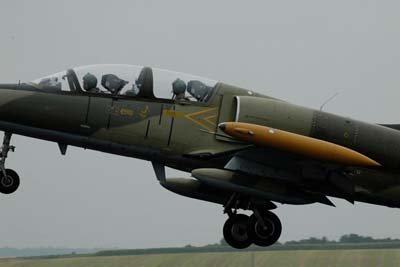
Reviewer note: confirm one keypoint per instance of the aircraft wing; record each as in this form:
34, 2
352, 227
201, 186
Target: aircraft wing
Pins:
284, 167
313, 168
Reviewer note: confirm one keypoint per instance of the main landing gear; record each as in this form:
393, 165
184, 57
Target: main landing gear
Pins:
263, 228
9, 179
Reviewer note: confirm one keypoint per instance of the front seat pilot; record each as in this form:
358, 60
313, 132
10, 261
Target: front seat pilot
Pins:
179, 90
90, 83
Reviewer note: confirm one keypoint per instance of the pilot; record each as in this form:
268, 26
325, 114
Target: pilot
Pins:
90, 83
179, 90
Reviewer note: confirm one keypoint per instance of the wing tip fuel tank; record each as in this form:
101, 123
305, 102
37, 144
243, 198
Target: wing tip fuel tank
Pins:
295, 143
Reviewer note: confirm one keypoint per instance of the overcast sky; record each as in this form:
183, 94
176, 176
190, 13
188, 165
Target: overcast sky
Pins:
301, 51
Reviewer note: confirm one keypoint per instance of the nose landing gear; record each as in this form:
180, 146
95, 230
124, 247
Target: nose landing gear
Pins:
9, 179
263, 228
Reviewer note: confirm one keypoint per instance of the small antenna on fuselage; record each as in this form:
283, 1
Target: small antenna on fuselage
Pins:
328, 100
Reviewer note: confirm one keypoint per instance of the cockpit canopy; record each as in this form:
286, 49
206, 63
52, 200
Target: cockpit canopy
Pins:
129, 81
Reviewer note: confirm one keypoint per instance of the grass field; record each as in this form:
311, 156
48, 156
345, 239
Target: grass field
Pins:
326, 258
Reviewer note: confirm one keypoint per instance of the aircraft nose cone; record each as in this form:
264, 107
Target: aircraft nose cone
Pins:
222, 126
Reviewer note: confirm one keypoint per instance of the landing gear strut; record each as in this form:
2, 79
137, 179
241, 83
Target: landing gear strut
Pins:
263, 228
9, 179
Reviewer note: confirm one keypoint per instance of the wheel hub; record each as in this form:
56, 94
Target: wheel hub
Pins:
264, 231
7, 181
239, 231
236, 231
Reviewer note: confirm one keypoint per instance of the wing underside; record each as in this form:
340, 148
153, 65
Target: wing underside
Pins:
287, 168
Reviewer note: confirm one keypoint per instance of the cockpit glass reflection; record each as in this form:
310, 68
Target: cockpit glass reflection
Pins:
129, 81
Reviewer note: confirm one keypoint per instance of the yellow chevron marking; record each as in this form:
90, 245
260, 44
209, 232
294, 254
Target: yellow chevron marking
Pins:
209, 119
198, 121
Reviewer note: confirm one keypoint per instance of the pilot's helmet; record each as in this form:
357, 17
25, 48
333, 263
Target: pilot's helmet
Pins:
89, 81
178, 87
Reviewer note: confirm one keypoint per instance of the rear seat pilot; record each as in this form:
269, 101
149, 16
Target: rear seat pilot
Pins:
90, 83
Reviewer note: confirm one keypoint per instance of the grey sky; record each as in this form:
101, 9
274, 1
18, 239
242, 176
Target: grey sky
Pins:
301, 51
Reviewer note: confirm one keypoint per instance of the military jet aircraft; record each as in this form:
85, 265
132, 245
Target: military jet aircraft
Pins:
244, 150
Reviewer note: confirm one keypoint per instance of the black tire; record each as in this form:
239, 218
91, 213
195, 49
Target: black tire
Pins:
236, 231
9, 184
268, 235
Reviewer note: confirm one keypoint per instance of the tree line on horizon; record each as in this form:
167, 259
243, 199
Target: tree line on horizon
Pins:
344, 239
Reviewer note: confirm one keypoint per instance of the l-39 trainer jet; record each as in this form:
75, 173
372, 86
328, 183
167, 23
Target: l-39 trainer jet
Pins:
244, 150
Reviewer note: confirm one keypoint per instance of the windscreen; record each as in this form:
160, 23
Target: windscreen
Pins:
131, 81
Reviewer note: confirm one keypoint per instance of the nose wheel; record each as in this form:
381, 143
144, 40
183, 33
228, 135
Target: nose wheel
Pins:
9, 179
9, 182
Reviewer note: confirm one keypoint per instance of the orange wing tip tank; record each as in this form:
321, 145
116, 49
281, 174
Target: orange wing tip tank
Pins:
295, 143
244, 131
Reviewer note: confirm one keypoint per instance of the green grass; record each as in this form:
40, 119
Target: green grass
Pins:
306, 258
227, 249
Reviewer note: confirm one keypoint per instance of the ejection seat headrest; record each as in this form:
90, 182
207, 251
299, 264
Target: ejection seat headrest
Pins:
145, 83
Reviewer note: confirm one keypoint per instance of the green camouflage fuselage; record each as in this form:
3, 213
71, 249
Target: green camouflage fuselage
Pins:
185, 135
